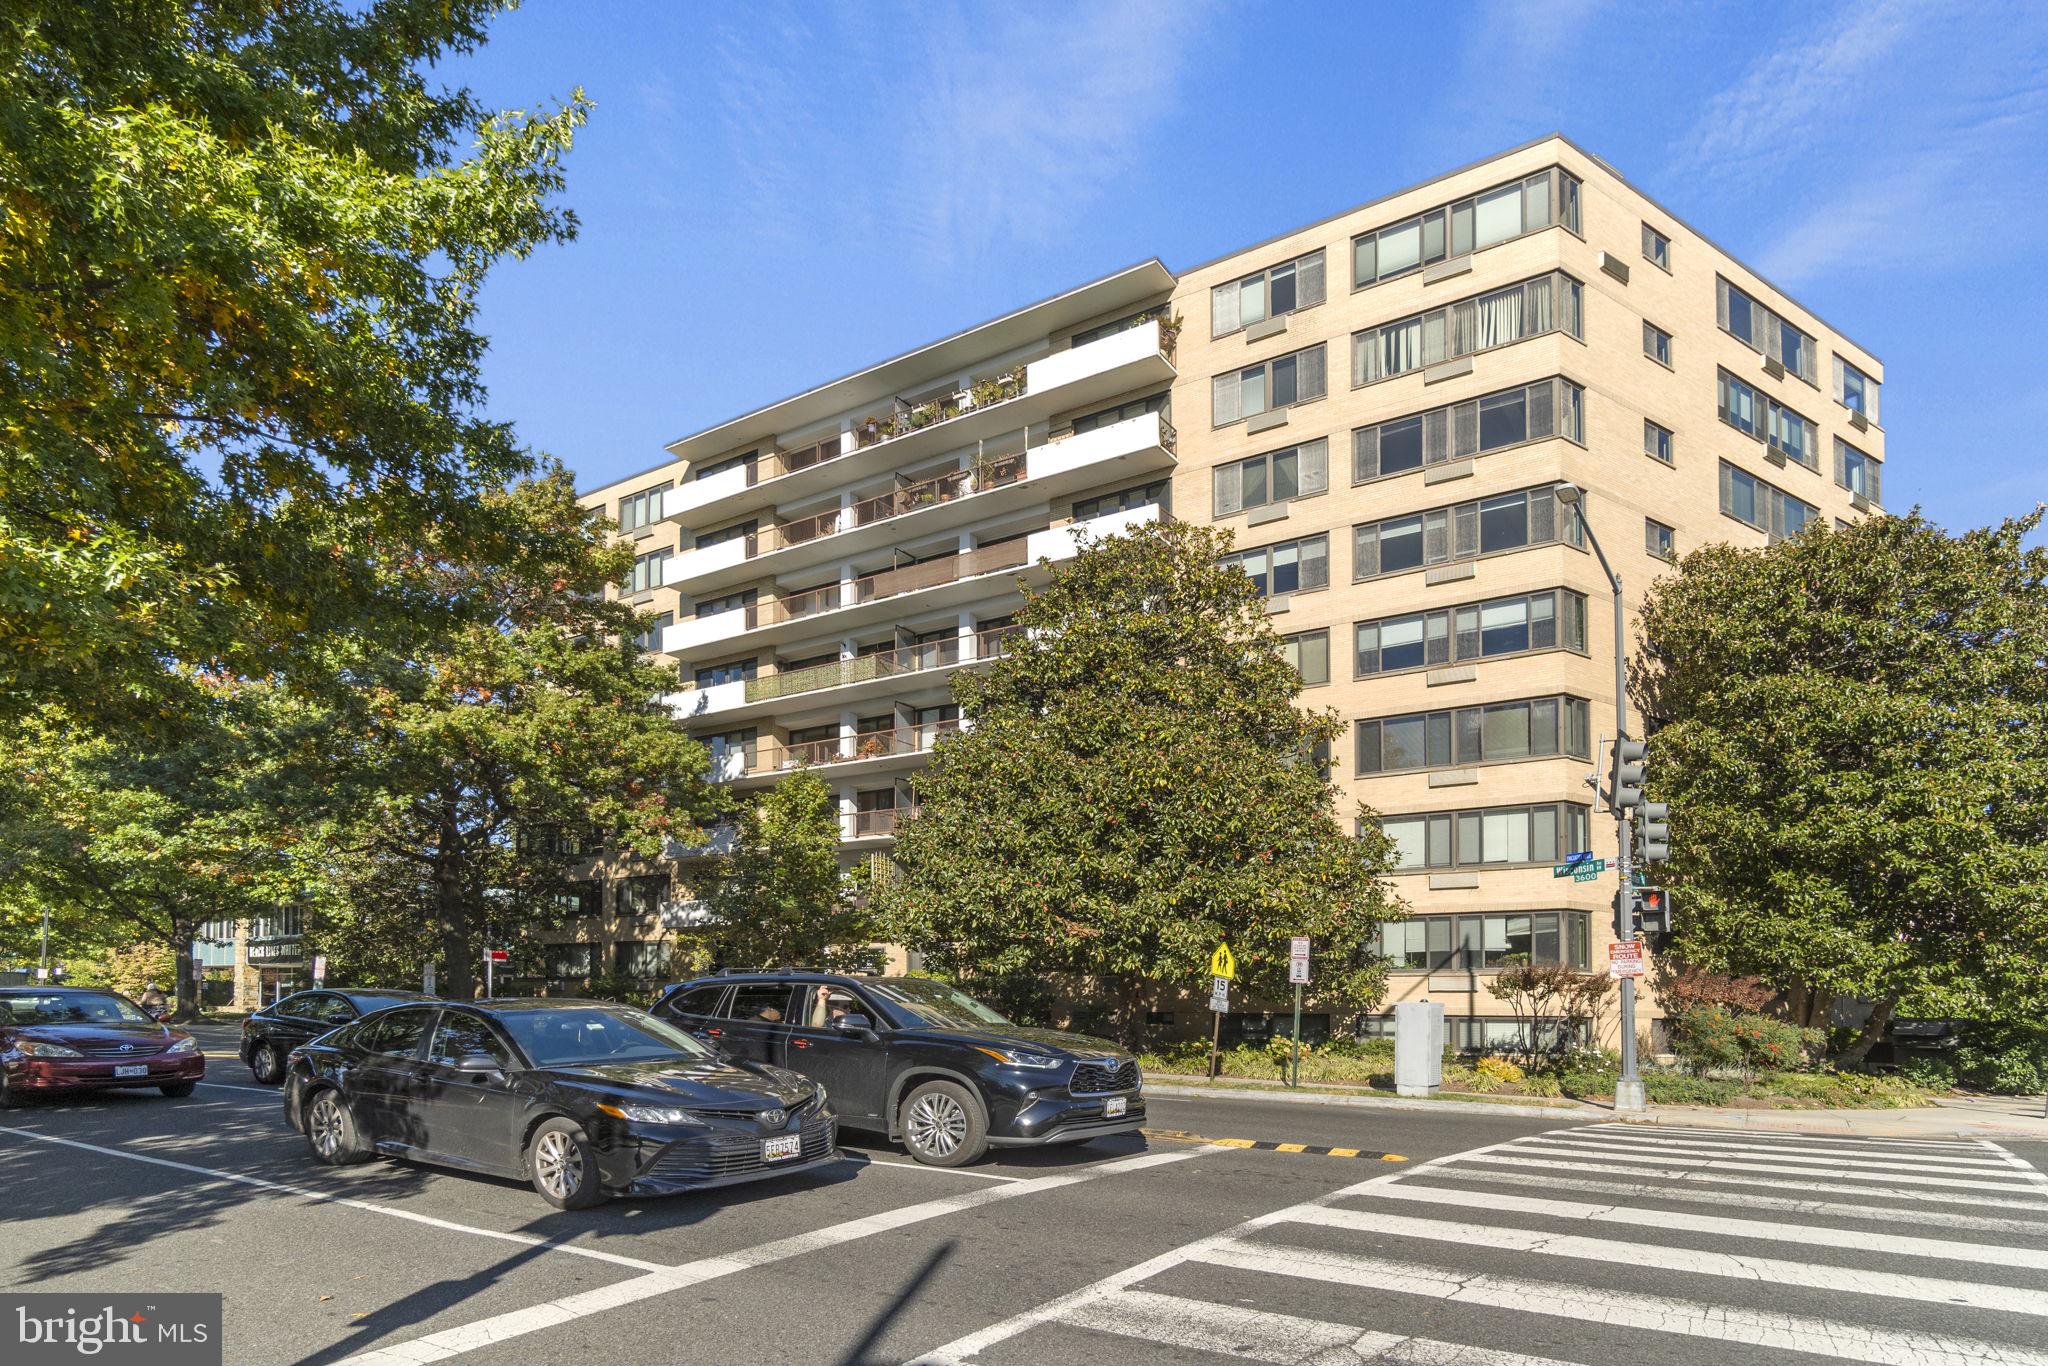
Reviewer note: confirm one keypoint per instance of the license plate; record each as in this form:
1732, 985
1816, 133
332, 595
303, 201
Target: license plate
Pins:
1112, 1108
133, 1069
782, 1149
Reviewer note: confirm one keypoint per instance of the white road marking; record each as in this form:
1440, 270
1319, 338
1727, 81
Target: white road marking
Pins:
1826, 1157
1725, 1174
519, 1322
274, 1092
1811, 1235
1780, 1136
1981, 1223
1599, 1305
1701, 1162
941, 1171
279, 1188
1923, 1289
2026, 1169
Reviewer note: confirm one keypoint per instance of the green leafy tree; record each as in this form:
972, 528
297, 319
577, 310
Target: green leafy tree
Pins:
1134, 784
779, 898
241, 247
1854, 736
474, 776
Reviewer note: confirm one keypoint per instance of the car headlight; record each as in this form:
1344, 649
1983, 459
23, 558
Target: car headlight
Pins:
650, 1114
188, 1044
818, 1097
1016, 1057
43, 1048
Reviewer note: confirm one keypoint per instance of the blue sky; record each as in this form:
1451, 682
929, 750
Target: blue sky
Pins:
774, 194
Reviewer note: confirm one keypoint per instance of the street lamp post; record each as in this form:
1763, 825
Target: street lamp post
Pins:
1628, 1091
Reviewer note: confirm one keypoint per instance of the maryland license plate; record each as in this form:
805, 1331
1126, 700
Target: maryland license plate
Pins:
782, 1149
1113, 1109
133, 1069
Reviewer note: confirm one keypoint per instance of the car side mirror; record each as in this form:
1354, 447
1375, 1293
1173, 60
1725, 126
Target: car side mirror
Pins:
859, 1026
480, 1066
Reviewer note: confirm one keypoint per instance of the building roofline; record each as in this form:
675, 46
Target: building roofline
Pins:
1598, 160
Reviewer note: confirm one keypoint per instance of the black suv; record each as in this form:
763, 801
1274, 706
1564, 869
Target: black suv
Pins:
917, 1060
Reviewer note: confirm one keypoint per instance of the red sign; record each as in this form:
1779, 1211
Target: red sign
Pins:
498, 955
1625, 958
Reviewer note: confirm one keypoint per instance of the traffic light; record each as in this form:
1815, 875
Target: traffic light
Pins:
1627, 788
1653, 911
1656, 828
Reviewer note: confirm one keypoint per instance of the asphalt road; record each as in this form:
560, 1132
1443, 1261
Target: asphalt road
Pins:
1534, 1240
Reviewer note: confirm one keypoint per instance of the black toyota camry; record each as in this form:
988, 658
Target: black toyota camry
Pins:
585, 1099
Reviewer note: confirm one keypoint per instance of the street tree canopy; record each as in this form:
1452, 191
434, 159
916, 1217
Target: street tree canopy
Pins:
1853, 732
1133, 784
240, 252
779, 897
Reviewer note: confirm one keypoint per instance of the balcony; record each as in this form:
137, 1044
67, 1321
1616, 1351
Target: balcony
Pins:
853, 603
849, 680
766, 759
874, 824
1060, 382
992, 487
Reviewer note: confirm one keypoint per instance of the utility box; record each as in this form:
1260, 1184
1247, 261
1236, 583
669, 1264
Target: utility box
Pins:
1418, 1048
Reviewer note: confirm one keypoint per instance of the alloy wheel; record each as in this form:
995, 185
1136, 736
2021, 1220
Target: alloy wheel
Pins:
325, 1123
937, 1124
556, 1163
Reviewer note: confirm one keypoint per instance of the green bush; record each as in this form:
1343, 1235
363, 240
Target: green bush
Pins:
1716, 1036
1935, 1074
1676, 1088
1547, 1087
2009, 1060
1589, 1083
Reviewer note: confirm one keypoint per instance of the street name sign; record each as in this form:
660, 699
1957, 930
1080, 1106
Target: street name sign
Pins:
1297, 960
1625, 958
1579, 869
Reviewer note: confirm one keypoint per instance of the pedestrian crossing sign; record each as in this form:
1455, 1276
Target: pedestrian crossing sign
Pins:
1222, 964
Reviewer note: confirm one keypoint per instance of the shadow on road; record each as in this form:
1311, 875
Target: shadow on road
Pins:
858, 1354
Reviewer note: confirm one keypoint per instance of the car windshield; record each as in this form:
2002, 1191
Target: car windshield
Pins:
71, 1007
569, 1036
935, 1003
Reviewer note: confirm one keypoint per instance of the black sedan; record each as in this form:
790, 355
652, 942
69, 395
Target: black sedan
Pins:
583, 1098
270, 1034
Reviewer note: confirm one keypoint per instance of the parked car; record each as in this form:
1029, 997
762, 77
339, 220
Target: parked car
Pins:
270, 1034
918, 1060
79, 1039
582, 1098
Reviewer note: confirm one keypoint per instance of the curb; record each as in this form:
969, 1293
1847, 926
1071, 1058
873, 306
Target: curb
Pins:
1372, 1102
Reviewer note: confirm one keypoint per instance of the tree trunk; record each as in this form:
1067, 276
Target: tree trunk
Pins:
1820, 1009
186, 999
1873, 1030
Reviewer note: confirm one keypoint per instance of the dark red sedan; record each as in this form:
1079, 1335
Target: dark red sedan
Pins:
77, 1039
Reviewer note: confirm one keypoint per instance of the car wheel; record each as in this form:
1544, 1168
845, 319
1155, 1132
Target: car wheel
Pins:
177, 1090
943, 1124
266, 1066
331, 1130
563, 1167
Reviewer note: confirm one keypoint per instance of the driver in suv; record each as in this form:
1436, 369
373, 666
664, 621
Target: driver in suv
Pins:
918, 1060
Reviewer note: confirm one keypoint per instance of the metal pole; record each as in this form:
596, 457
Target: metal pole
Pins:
488, 962
46, 946
1215, 1041
1297, 1034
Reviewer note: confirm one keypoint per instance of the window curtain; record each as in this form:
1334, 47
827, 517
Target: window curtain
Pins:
1223, 309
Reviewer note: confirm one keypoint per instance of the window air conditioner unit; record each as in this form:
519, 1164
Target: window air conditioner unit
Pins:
1859, 502
1858, 420
1776, 457
1773, 368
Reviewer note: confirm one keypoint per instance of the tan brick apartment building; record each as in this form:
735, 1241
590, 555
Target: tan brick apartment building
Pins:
1379, 406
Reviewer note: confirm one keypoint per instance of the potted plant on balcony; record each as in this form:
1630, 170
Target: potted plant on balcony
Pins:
871, 747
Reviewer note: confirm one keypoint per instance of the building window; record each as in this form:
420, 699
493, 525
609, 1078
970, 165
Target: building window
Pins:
1551, 407
649, 570
718, 467
1289, 567
1659, 540
1309, 653
649, 640
1741, 406
737, 671
642, 958
1141, 495
1549, 620
1501, 213
642, 509
1542, 727
731, 602
1857, 472
1549, 303
1110, 329
1769, 509
1505, 836
1299, 377
1124, 412
1470, 943
1277, 477
1793, 436
1656, 248
1657, 442
1484, 526
733, 751
726, 533
1657, 344
1271, 293
1855, 390
1763, 331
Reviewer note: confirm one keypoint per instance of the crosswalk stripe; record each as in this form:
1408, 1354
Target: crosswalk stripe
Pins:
1831, 1157
2005, 1299
1790, 1139
1716, 1322
1980, 1223
1812, 1235
2026, 1169
1284, 1339
1752, 1164
1729, 1174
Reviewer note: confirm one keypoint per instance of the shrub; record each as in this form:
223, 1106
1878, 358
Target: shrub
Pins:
2006, 1059
1675, 1088
1500, 1069
1936, 1074
1546, 1087
1710, 1036
1589, 1083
